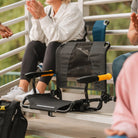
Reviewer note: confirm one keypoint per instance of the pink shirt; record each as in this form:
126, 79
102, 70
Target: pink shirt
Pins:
125, 117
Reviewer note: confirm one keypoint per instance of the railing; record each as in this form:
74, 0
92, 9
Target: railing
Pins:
84, 6
8, 77
15, 36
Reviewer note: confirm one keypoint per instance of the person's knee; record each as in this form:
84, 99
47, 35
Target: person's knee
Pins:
115, 62
117, 65
119, 61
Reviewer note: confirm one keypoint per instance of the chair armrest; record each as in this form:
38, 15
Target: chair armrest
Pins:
89, 79
31, 75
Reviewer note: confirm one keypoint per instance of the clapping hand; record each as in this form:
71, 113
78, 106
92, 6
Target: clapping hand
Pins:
134, 19
36, 9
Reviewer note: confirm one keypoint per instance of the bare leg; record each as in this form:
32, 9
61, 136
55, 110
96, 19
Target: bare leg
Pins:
24, 85
41, 87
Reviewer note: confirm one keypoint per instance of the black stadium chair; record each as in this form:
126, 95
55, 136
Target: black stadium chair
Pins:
83, 60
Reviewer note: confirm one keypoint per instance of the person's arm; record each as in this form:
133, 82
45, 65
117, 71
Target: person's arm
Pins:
36, 32
69, 25
133, 30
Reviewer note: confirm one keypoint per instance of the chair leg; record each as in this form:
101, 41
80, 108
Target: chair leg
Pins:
57, 93
86, 93
105, 97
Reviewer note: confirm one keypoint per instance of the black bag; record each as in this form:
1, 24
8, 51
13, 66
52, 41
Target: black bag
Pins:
12, 122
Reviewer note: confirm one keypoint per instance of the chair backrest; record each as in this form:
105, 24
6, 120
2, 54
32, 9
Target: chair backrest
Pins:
77, 59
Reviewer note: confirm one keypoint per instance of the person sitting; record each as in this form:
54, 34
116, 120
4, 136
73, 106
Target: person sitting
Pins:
5, 32
58, 23
125, 116
133, 38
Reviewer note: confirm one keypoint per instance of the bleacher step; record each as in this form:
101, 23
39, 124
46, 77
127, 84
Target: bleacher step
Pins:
66, 127
71, 124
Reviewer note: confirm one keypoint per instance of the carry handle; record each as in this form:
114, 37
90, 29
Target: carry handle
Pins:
31, 75
91, 78
107, 45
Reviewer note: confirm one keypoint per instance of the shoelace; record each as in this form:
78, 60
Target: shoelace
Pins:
12, 89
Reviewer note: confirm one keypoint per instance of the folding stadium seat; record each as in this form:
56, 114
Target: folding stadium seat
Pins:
83, 60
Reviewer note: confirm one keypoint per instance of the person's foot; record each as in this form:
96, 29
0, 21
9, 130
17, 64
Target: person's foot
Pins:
21, 97
14, 91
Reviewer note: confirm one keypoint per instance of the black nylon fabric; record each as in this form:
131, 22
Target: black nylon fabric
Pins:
12, 122
63, 54
77, 59
98, 62
47, 102
3, 114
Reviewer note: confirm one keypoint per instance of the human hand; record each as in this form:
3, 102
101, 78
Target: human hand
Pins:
134, 19
36, 9
5, 32
111, 132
